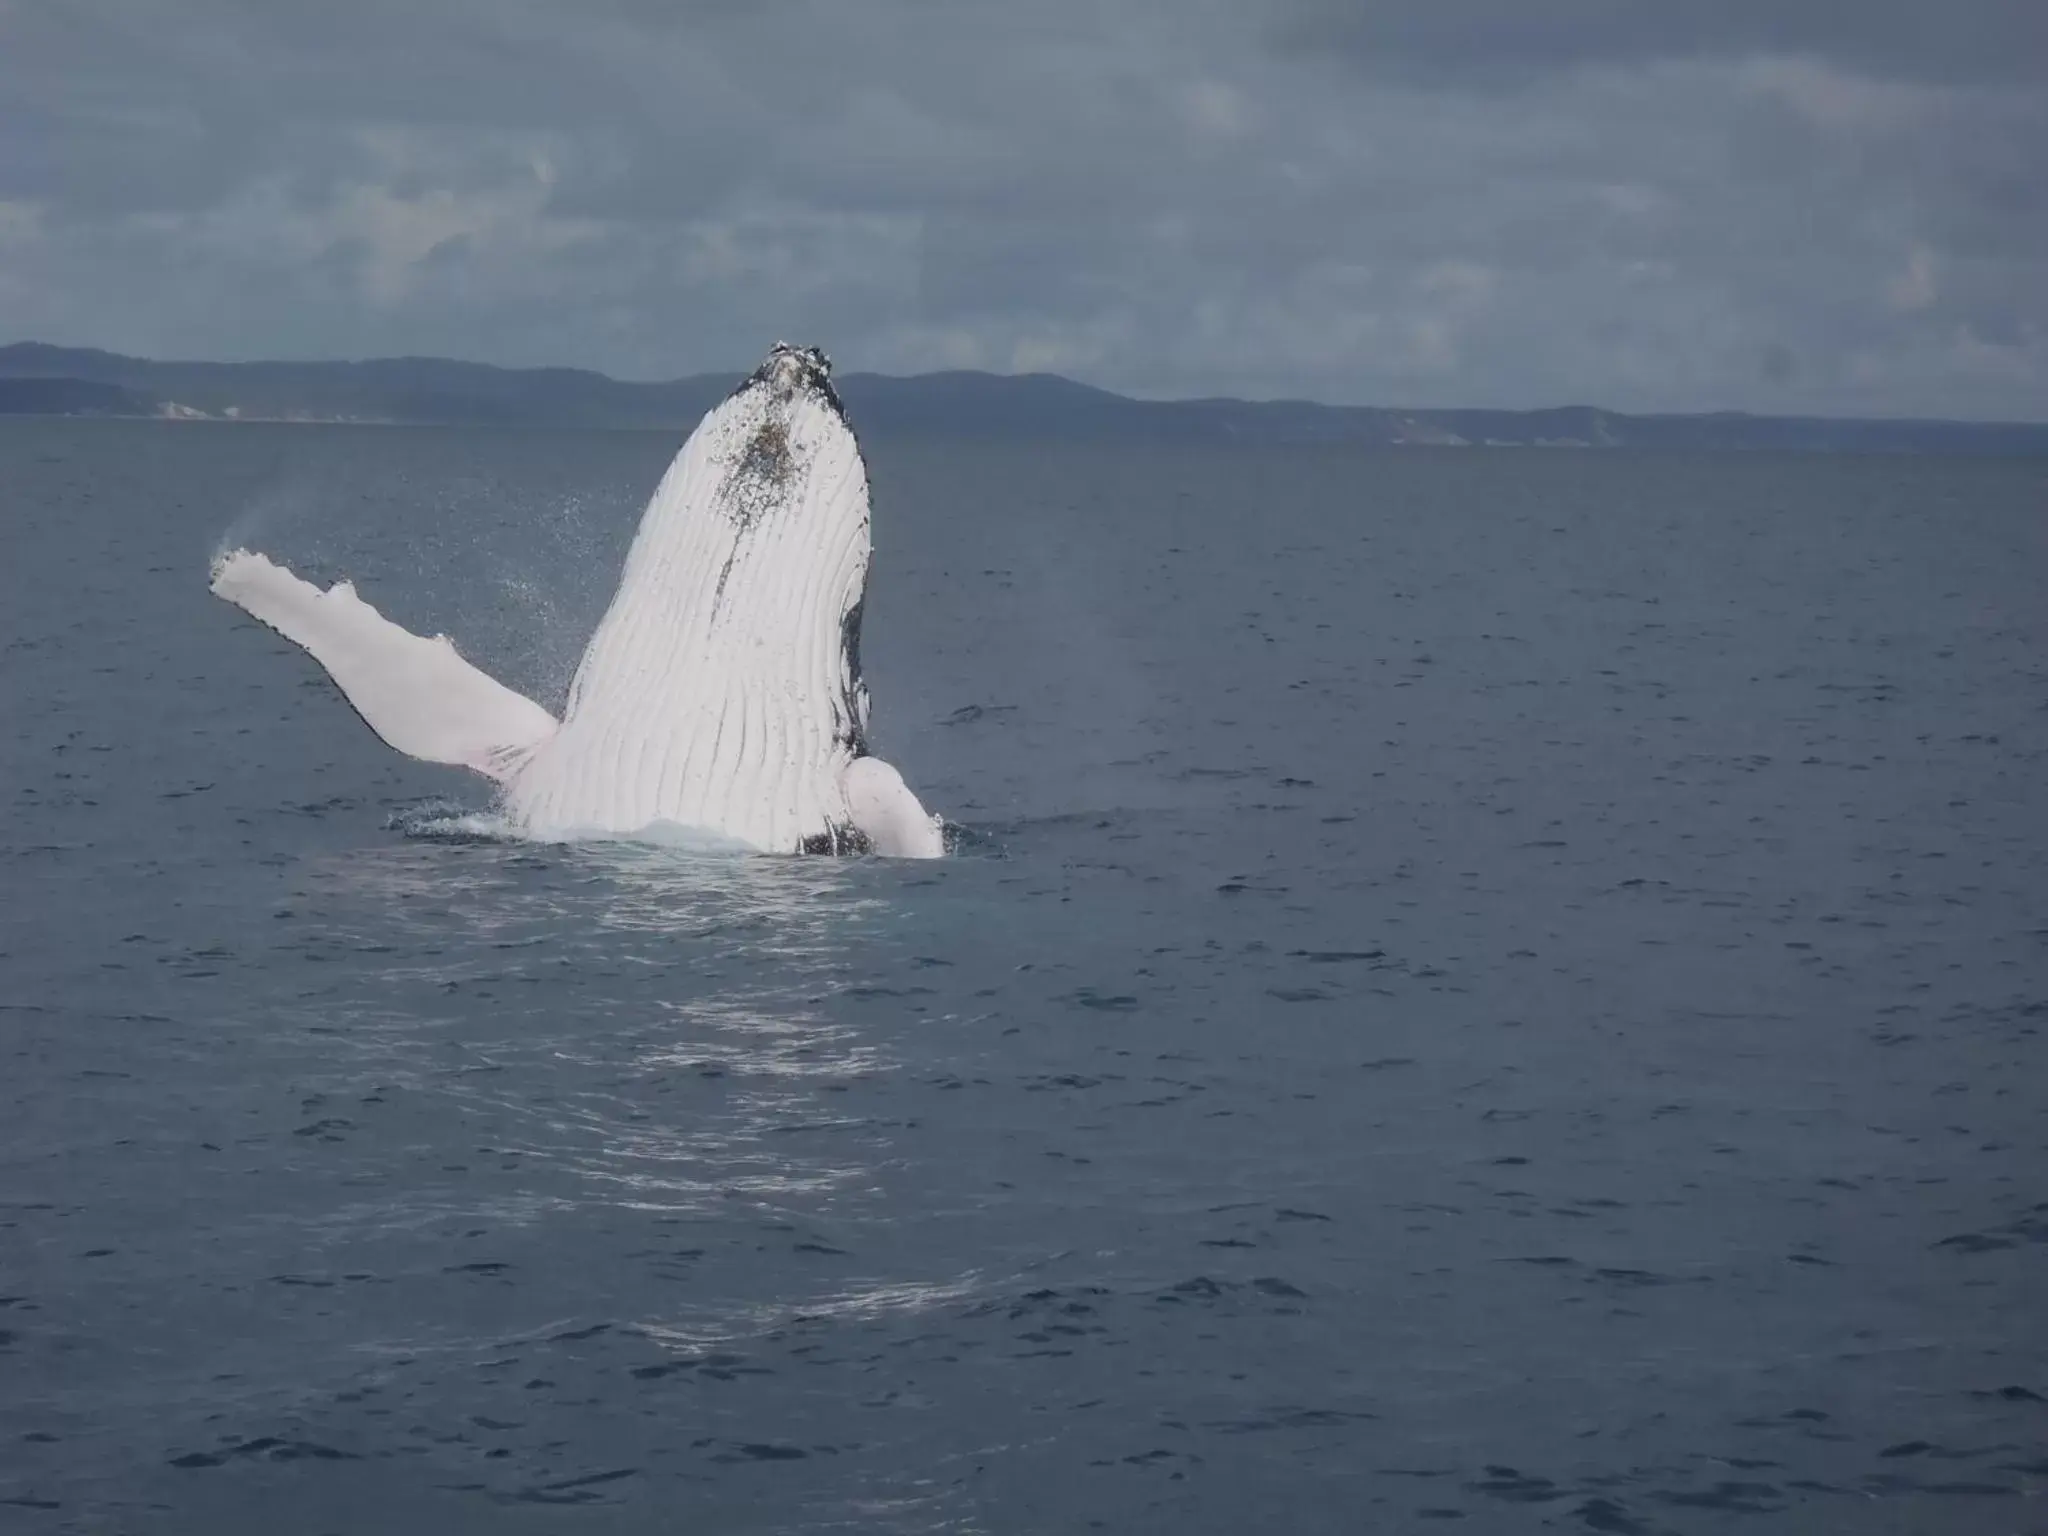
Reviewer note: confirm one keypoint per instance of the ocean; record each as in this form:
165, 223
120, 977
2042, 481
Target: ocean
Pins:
1480, 990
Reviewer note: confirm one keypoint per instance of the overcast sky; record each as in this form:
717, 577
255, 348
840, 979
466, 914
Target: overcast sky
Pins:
1778, 205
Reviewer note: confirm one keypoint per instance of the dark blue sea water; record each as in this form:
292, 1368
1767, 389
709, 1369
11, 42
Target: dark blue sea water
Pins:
1487, 992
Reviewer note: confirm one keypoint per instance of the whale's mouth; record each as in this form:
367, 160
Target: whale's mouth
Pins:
790, 372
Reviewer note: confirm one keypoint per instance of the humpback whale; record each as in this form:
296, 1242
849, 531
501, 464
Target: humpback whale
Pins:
722, 690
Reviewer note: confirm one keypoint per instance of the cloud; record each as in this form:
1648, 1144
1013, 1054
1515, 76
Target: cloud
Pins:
1508, 41
1793, 206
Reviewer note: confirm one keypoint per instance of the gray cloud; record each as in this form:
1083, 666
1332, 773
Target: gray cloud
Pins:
1966, 41
1793, 206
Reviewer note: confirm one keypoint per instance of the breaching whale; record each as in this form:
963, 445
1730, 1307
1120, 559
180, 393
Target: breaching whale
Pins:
722, 690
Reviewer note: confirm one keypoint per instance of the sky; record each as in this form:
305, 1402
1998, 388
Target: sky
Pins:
1827, 206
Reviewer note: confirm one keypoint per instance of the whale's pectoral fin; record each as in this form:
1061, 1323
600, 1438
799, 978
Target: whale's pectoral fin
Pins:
416, 693
885, 810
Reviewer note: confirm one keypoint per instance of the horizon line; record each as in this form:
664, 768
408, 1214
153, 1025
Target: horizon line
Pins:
990, 373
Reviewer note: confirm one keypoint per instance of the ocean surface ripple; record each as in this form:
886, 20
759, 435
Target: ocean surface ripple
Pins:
1502, 991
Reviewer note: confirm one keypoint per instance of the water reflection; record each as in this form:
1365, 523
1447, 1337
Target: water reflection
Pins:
672, 1078
652, 1024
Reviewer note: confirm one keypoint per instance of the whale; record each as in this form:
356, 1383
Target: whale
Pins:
720, 694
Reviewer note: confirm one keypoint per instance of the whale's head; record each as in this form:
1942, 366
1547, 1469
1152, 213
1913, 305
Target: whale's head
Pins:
789, 373
764, 445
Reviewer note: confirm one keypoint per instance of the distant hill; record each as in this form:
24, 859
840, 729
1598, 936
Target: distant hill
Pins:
36, 378
70, 397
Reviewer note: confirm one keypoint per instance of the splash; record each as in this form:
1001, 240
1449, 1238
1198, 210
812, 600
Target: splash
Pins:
446, 821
